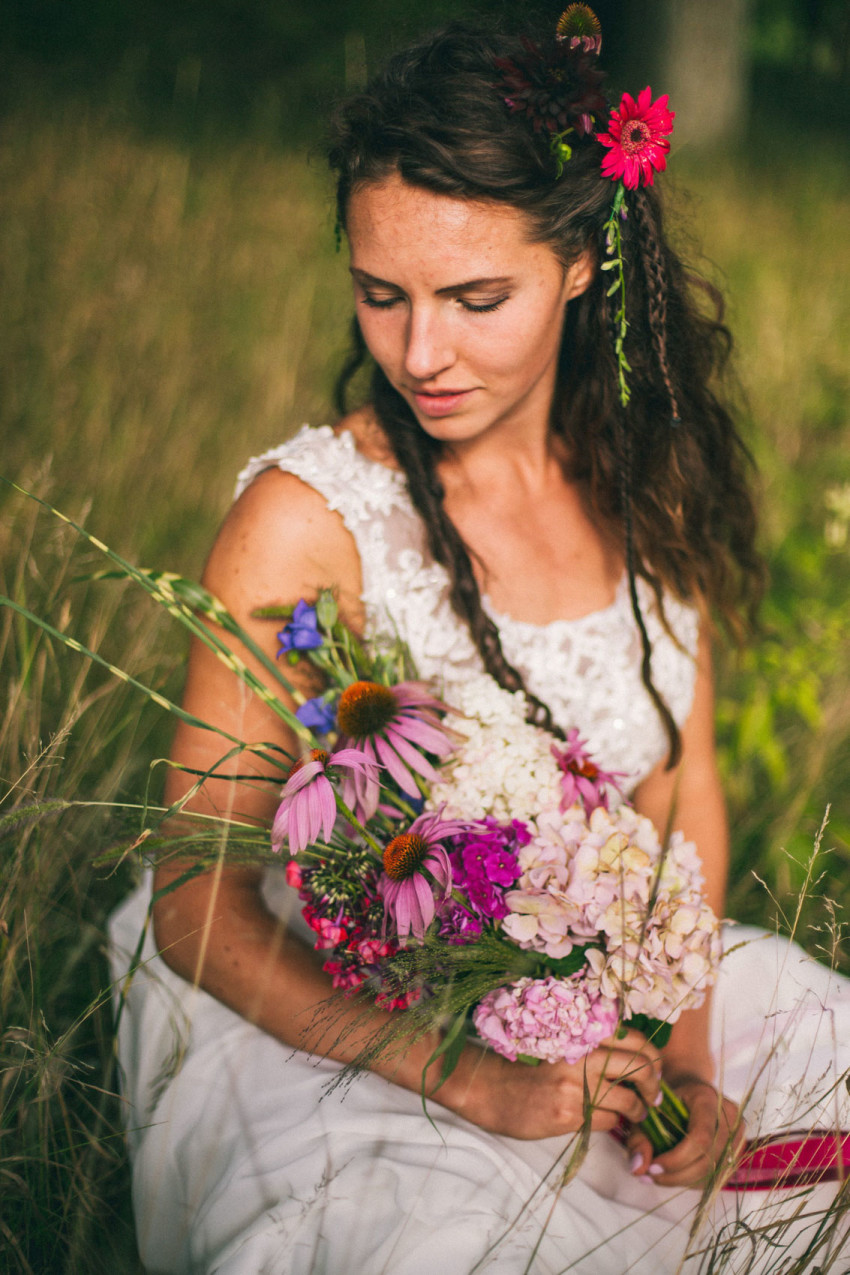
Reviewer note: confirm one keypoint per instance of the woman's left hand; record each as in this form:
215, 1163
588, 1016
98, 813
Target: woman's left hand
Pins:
715, 1133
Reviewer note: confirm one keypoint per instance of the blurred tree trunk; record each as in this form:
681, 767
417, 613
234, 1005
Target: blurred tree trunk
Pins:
704, 66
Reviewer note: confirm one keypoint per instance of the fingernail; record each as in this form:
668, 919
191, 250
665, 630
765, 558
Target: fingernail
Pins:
635, 1162
646, 1179
655, 1170
658, 1099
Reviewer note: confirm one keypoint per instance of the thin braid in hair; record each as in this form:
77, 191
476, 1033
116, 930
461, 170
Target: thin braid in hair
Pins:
656, 289
625, 475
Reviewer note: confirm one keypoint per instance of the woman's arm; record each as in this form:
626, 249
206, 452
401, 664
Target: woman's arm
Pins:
693, 796
280, 543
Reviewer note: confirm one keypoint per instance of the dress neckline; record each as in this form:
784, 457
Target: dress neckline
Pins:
501, 619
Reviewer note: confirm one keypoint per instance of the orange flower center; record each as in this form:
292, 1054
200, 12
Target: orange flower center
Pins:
403, 855
365, 708
634, 136
587, 769
315, 754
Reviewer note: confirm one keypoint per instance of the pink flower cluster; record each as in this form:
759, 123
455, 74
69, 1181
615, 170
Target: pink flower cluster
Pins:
484, 866
550, 1018
351, 933
653, 942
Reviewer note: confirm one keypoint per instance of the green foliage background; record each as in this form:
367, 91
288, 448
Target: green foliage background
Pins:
170, 303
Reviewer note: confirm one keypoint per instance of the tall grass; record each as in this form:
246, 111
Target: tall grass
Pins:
166, 311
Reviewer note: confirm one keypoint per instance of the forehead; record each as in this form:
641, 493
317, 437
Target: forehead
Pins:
409, 227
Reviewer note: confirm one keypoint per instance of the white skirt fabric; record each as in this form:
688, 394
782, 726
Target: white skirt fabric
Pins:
244, 1164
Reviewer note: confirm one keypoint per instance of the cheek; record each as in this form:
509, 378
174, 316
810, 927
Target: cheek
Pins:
381, 332
527, 342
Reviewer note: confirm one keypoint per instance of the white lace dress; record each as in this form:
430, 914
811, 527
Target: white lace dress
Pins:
244, 1165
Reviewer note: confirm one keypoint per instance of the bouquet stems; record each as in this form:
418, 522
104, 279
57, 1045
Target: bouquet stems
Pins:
667, 1124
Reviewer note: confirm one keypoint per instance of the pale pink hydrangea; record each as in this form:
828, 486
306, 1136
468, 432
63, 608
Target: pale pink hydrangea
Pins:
549, 1018
586, 880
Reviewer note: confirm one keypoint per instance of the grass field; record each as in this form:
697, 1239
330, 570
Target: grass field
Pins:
167, 310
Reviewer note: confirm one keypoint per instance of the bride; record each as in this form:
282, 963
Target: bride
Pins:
525, 495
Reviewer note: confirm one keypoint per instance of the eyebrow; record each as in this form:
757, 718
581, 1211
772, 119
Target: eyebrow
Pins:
363, 276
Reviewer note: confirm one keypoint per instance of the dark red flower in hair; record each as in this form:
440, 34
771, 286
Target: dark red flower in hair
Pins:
557, 87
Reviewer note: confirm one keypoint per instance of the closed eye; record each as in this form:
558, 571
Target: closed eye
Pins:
386, 303
485, 307
379, 303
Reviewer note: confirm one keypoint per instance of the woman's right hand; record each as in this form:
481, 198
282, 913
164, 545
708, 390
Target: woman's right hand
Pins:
522, 1101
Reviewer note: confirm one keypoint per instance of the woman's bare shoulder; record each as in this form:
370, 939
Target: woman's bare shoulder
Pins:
280, 542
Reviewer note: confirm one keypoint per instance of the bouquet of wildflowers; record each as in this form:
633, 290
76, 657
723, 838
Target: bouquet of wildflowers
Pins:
466, 866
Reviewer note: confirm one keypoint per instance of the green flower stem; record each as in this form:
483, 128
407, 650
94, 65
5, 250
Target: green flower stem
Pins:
614, 252
666, 1125
357, 825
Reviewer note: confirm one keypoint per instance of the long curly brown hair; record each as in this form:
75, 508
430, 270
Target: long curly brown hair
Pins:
676, 494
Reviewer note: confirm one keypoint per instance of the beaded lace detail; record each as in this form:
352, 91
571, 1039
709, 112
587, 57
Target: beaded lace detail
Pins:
587, 669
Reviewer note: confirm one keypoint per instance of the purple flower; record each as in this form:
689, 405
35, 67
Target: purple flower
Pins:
393, 725
501, 867
301, 633
407, 892
316, 714
308, 806
581, 779
458, 924
485, 900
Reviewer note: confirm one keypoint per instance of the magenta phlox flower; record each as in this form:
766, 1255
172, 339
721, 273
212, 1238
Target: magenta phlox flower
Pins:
394, 726
308, 805
301, 633
638, 139
581, 779
549, 1018
485, 865
458, 924
408, 894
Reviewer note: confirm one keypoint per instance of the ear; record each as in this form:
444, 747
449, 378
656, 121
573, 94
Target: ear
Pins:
580, 274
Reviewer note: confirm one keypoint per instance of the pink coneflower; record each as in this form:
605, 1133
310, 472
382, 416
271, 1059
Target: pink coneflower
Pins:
581, 779
407, 892
393, 726
580, 27
308, 806
639, 139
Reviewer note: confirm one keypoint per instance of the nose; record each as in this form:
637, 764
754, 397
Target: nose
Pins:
430, 348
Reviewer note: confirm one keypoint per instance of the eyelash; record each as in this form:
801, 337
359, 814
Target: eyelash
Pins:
389, 302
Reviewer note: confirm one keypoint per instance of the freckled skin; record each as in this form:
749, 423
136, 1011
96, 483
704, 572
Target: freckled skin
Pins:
427, 338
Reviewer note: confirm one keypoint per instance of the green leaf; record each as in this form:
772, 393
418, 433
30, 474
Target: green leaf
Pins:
652, 1028
449, 1049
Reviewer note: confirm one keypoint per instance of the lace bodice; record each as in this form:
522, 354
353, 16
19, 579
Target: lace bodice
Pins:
587, 670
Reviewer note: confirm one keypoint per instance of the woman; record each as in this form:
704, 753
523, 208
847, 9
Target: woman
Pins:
515, 495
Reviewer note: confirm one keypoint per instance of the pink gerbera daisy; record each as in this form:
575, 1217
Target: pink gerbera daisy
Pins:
639, 138
308, 804
407, 892
394, 726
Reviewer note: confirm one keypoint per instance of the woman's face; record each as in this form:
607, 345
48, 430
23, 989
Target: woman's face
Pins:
462, 312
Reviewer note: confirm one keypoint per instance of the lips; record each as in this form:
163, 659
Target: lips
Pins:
442, 402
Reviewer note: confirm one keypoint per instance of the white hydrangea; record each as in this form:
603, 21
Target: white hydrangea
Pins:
504, 766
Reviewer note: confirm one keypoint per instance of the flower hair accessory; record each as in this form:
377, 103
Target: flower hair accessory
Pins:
638, 139
558, 87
